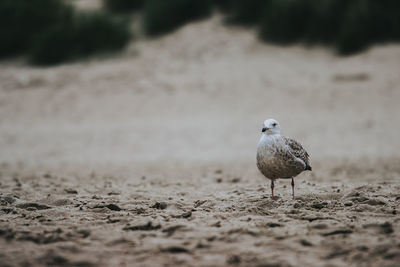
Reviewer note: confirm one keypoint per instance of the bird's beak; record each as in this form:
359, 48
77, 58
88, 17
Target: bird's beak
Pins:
264, 129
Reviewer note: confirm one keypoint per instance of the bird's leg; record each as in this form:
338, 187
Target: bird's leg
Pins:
272, 189
292, 188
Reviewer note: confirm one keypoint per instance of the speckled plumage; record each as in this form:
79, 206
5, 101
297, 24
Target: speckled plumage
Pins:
279, 156
298, 151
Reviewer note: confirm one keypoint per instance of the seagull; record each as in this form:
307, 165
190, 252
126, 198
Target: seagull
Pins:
279, 156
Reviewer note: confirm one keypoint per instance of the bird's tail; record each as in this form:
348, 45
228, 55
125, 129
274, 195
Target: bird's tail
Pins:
308, 168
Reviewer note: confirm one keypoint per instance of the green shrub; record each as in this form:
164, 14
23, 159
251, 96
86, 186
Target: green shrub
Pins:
392, 13
246, 13
100, 32
355, 34
349, 26
326, 20
285, 21
52, 46
123, 6
21, 20
366, 23
84, 35
50, 31
224, 5
162, 16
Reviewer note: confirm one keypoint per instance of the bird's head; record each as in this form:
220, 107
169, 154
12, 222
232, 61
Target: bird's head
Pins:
271, 126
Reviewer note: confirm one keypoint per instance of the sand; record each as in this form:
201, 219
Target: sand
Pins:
148, 158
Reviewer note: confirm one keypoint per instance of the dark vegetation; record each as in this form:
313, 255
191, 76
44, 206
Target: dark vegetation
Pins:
21, 20
85, 34
246, 13
163, 16
51, 31
348, 26
123, 6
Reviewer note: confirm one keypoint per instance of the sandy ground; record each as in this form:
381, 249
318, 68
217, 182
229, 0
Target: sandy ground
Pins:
148, 159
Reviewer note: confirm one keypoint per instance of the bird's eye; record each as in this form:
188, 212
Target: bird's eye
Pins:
274, 124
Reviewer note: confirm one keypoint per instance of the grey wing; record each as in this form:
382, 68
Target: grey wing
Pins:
297, 150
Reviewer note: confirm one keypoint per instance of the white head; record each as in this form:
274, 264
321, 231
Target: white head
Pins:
271, 126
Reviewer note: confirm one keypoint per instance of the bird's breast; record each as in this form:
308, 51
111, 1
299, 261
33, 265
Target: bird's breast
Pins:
272, 159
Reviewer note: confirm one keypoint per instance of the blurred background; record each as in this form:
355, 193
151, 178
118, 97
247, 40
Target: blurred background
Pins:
183, 82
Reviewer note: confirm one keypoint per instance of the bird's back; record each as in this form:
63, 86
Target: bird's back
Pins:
298, 151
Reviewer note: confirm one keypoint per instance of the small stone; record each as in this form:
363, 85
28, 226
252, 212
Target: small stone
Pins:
175, 250
272, 225
113, 207
374, 202
235, 180
233, 259
387, 228
7, 199
362, 248
338, 232
143, 227
84, 233
211, 238
32, 206
198, 203
140, 211
186, 214
160, 205
305, 243
391, 255
217, 224
319, 205
201, 245
70, 191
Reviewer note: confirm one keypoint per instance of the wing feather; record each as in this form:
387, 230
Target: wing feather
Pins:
297, 150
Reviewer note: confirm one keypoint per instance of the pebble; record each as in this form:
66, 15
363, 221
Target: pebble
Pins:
160, 205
